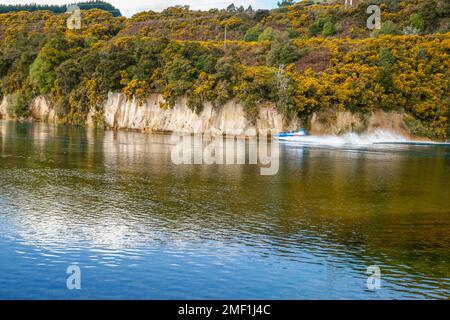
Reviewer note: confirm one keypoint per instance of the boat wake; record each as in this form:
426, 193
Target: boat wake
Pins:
378, 137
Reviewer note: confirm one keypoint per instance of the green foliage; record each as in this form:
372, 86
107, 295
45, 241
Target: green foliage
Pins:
316, 28
253, 34
416, 21
112, 61
43, 69
393, 5
430, 14
283, 51
68, 76
328, 29
386, 61
231, 8
324, 25
89, 5
388, 27
254, 86
60, 9
269, 34
19, 102
261, 14
293, 33
180, 53
285, 3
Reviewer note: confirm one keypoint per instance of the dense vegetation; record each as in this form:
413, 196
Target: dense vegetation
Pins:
5, 8
302, 58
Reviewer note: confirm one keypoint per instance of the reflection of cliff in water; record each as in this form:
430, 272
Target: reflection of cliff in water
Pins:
66, 186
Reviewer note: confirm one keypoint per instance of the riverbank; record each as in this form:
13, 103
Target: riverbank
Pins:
120, 113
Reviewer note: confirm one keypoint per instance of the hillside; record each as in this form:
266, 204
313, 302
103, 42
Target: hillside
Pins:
304, 19
306, 58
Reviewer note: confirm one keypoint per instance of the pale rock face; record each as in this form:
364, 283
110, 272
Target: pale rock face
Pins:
40, 109
340, 122
392, 121
4, 108
52, 117
89, 118
121, 113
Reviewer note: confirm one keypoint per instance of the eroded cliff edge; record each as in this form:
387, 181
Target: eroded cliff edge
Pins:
119, 112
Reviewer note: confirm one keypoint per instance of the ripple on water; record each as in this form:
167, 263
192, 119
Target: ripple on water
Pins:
140, 227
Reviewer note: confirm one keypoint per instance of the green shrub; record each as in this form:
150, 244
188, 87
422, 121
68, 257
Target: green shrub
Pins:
329, 29
416, 21
19, 103
268, 34
253, 34
282, 52
388, 27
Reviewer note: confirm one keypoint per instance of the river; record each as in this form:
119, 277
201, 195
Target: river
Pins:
140, 227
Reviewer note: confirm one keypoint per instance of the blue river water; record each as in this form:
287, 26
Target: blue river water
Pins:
140, 227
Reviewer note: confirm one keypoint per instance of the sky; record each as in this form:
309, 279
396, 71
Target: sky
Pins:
130, 7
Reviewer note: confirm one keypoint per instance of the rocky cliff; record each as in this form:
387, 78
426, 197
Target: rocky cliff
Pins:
122, 113
39, 109
4, 108
340, 122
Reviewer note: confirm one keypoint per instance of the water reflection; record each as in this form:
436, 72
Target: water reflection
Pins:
114, 202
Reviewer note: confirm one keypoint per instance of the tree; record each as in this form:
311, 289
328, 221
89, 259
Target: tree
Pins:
268, 34
285, 3
21, 101
324, 26
231, 8
226, 67
260, 14
68, 76
61, 8
282, 52
386, 61
430, 14
253, 33
148, 55
329, 29
117, 58
43, 69
416, 21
